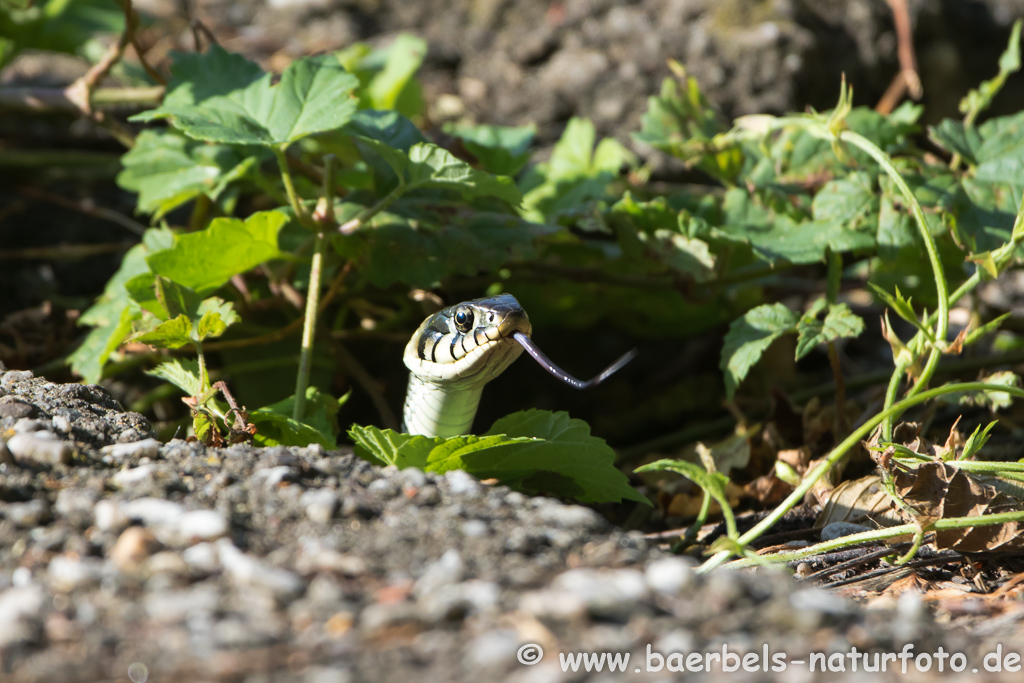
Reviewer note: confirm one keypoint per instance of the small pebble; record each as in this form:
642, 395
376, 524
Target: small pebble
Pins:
68, 573
133, 546
462, 484
831, 532
669, 574
27, 515
320, 504
382, 488
41, 447
251, 572
147, 448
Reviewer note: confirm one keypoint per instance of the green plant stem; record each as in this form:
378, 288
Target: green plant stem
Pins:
840, 451
363, 216
325, 222
941, 288
308, 330
875, 536
289, 187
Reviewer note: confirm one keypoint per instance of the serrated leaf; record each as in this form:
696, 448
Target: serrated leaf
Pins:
956, 138
532, 450
1000, 153
776, 237
993, 400
222, 97
89, 358
897, 303
167, 170
182, 373
714, 483
170, 334
207, 259
387, 127
749, 337
275, 425
839, 322
575, 174
433, 166
848, 201
210, 325
499, 149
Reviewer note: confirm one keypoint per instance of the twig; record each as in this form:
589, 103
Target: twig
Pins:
80, 92
907, 78
368, 384
85, 206
56, 99
131, 19
64, 252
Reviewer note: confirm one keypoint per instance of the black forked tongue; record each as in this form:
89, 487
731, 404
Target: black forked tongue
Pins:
561, 374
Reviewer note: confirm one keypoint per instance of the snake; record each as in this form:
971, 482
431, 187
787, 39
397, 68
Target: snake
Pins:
455, 352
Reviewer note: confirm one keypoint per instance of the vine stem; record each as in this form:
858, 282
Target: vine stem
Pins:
840, 451
877, 535
941, 288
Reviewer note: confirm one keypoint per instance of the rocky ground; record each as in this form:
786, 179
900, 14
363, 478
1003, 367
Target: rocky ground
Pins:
122, 558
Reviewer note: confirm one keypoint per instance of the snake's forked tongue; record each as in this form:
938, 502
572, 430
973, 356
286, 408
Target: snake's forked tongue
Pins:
561, 374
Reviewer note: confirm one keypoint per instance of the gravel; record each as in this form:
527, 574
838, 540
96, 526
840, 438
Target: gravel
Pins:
179, 562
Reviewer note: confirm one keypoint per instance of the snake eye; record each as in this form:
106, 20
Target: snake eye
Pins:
464, 320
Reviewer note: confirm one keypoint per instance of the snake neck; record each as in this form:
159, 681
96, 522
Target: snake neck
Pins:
440, 409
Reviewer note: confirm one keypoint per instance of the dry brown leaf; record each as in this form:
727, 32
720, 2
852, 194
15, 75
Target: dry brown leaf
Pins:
938, 490
858, 501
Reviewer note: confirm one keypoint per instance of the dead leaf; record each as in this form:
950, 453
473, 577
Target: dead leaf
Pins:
858, 501
939, 490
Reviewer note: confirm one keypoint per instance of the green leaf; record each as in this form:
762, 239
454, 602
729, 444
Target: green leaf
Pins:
1001, 154
840, 321
210, 325
749, 337
167, 170
499, 149
435, 167
207, 259
387, 127
976, 441
182, 373
396, 250
713, 483
776, 237
533, 450
684, 125
575, 174
275, 425
396, 79
222, 97
993, 400
89, 358
956, 138
901, 306
848, 201
57, 25
170, 334
112, 314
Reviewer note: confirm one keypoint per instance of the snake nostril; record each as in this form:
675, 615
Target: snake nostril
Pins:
490, 317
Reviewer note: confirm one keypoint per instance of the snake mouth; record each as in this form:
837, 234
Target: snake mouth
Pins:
546, 363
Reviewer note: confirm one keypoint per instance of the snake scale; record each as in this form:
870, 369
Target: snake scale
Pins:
461, 348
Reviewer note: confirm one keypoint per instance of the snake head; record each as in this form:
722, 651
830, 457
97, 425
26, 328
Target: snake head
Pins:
470, 342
